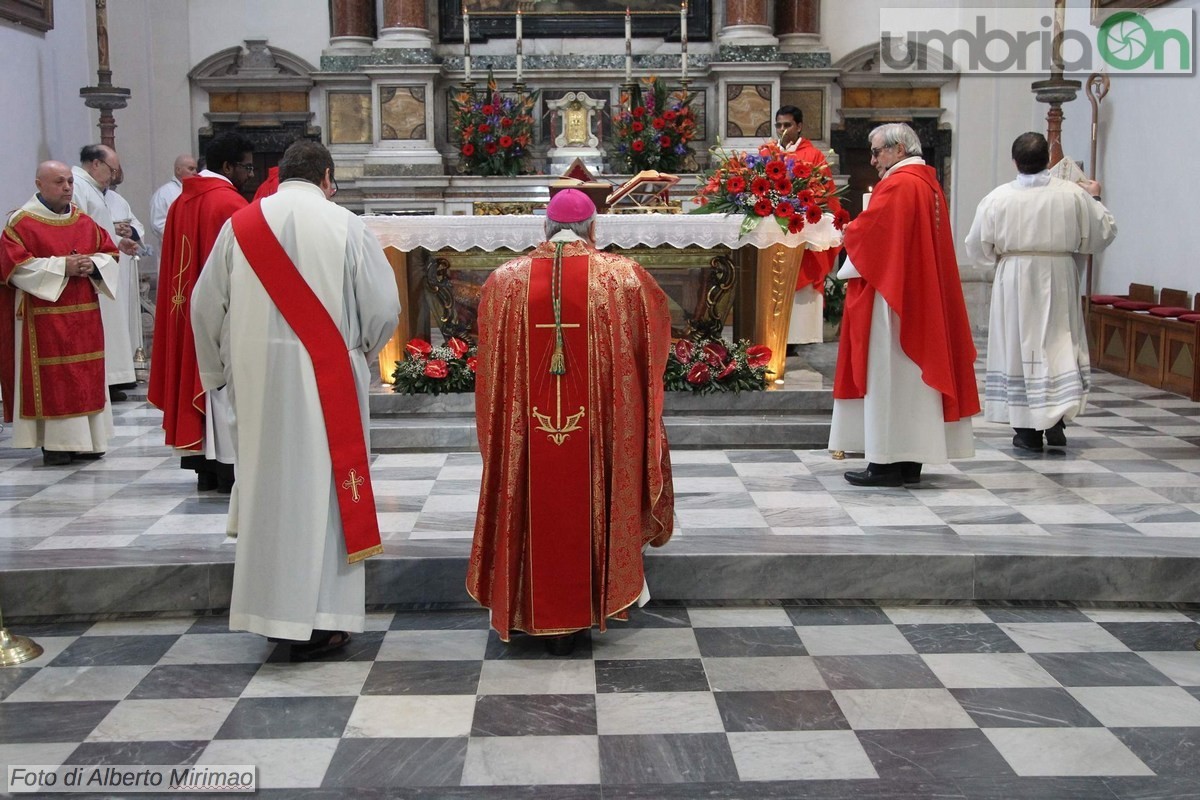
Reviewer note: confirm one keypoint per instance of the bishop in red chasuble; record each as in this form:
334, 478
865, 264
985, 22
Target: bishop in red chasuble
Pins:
573, 343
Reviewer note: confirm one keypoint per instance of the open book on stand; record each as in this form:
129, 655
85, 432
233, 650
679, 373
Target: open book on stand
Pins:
646, 192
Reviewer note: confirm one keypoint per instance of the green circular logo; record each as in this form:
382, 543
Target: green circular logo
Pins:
1125, 40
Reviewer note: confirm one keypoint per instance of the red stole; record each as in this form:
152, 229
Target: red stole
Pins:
193, 223
903, 248
559, 549
314, 327
62, 358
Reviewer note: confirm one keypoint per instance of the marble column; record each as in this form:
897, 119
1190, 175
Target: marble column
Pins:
351, 24
798, 25
746, 24
405, 24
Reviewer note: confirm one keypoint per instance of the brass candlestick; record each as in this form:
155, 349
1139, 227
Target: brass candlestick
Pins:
16, 649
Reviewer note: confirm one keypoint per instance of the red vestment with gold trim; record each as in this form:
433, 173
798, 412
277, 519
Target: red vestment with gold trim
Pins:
62, 354
576, 471
193, 223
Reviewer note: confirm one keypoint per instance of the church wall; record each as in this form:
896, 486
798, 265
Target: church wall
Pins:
42, 76
1147, 158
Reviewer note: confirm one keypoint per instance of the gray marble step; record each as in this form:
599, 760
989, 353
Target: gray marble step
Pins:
105, 582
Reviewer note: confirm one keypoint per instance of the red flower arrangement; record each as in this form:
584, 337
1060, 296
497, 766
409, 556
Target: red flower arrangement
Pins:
713, 365
794, 193
494, 132
654, 128
426, 369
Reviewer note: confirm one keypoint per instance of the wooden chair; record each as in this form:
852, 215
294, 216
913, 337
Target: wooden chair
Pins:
1114, 350
1147, 337
1181, 353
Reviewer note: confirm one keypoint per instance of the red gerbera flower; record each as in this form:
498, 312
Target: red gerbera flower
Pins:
841, 218
468, 149
736, 184
485, 128
806, 197
763, 207
638, 145
664, 141
783, 186
488, 110
506, 122
637, 127
776, 170
801, 170
659, 123
795, 224
639, 112
491, 148
813, 214
784, 210
669, 116
506, 142
760, 185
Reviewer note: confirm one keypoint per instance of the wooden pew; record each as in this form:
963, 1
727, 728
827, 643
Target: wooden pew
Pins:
1111, 318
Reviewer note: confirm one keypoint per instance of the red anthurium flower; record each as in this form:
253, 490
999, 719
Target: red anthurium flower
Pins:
715, 354
436, 369
468, 149
684, 351
758, 355
784, 210
736, 184
730, 368
699, 374
760, 185
812, 214
472, 363
457, 346
763, 207
638, 145
665, 141
418, 347
506, 142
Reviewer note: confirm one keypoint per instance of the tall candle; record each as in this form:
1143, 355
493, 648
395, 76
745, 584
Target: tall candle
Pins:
466, 42
628, 46
520, 56
866, 199
683, 38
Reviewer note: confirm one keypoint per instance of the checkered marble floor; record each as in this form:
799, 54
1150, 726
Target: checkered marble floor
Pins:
1128, 483
775, 701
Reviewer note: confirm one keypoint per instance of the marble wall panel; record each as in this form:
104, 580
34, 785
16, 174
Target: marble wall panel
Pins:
349, 117
748, 110
811, 103
401, 112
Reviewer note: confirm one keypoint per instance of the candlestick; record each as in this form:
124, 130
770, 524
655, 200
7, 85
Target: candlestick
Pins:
628, 46
520, 54
683, 39
466, 43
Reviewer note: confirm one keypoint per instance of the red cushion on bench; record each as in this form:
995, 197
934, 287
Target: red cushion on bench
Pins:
1106, 299
1133, 305
1169, 311
1189, 317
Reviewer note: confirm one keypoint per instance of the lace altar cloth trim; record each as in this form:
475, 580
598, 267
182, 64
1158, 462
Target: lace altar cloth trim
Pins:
520, 233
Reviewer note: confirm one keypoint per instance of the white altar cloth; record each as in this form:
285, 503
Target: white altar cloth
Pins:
522, 232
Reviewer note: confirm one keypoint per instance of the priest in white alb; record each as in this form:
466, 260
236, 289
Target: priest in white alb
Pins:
1032, 229
304, 290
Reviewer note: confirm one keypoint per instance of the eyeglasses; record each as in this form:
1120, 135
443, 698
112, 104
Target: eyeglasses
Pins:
248, 166
111, 168
875, 151
333, 181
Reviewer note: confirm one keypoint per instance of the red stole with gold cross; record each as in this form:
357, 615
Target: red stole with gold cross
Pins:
559, 550
314, 327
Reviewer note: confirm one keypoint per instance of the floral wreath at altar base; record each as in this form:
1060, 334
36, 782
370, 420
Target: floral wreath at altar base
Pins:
770, 184
714, 365
493, 131
444, 369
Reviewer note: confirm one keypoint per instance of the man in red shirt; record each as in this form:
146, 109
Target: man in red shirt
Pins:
197, 424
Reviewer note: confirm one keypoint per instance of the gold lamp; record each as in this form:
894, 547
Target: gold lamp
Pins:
16, 649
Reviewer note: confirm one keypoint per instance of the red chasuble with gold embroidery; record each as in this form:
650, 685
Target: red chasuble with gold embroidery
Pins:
576, 475
193, 223
62, 357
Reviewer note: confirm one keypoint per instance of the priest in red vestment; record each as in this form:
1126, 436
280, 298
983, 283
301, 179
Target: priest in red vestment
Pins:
269, 186
807, 315
196, 423
905, 390
573, 343
54, 262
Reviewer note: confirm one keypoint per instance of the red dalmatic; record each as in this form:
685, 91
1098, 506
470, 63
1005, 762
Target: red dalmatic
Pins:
62, 358
193, 223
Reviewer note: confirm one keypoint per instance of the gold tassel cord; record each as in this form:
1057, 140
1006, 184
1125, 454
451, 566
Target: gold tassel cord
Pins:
558, 362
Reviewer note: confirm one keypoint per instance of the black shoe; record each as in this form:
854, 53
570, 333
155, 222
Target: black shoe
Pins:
1028, 439
205, 481
560, 645
55, 458
1057, 436
877, 475
320, 645
88, 456
224, 485
116, 395
910, 471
